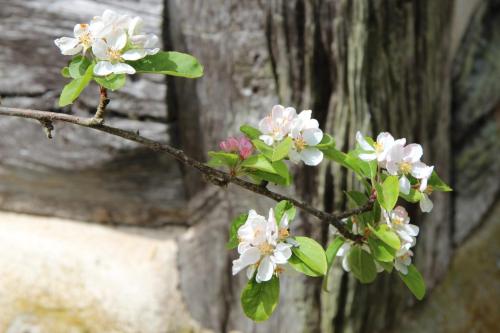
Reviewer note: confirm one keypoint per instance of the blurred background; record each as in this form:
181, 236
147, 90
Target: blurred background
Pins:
100, 235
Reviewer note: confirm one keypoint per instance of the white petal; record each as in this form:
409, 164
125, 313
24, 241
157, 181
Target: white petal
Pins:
412, 153
345, 264
392, 167
284, 221
404, 185
117, 40
421, 170
289, 113
312, 136
265, 270
80, 29
277, 111
100, 48
103, 68
311, 156
412, 230
135, 26
311, 123
305, 115
368, 157
134, 54
423, 184
152, 51
251, 271
282, 253
249, 257
363, 143
385, 139
268, 140
68, 45
425, 203
122, 68
294, 156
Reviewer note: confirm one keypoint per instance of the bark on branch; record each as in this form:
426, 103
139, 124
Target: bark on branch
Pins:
215, 176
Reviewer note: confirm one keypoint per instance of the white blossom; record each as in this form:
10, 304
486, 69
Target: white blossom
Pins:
403, 259
85, 35
262, 247
306, 134
111, 55
425, 203
399, 221
276, 126
385, 141
143, 43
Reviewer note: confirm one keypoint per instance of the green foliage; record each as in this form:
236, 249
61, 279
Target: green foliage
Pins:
72, 90
283, 207
169, 63
386, 235
220, 158
233, 231
331, 253
388, 192
309, 257
65, 72
326, 143
112, 82
362, 265
414, 281
413, 196
78, 66
438, 184
261, 168
281, 150
250, 132
259, 300
380, 250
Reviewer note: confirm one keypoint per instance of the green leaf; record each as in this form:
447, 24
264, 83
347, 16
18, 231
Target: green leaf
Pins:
259, 162
309, 257
414, 281
72, 90
259, 300
169, 63
282, 149
380, 250
362, 265
359, 199
331, 253
220, 158
283, 207
282, 170
413, 196
233, 231
259, 176
263, 148
386, 235
250, 131
388, 192
387, 266
347, 161
326, 142
112, 82
65, 72
438, 184
78, 66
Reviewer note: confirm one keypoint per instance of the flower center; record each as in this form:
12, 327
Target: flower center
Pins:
114, 55
405, 167
429, 189
284, 233
397, 221
379, 147
300, 144
279, 270
266, 248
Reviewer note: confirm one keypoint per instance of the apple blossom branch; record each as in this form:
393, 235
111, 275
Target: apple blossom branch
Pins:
215, 176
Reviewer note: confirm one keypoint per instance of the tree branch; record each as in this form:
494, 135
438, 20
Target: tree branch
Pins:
215, 176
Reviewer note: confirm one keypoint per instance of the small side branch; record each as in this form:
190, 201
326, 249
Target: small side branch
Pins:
215, 176
101, 107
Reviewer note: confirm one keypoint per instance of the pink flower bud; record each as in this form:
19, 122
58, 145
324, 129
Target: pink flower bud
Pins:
245, 147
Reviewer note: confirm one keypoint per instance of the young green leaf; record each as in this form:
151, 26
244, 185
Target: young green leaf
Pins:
362, 265
169, 63
250, 131
72, 90
65, 72
78, 66
387, 266
258, 176
282, 170
380, 250
386, 235
263, 148
233, 231
112, 82
259, 162
388, 192
309, 257
413, 196
282, 149
259, 300
414, 281
331, 252
438, 184
283, 207
220, 158
326, 142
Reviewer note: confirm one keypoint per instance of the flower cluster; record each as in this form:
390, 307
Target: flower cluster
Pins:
242, 145
401, 160
113, 39
399, 222
264, 246
304, 131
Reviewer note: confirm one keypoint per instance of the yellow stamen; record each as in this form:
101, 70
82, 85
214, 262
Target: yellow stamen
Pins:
114, 55
300, 143
284, 233
266, 248
405, 167
379, 147
429, 189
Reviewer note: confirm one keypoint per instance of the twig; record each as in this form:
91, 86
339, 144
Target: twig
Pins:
216, 176
101, 107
